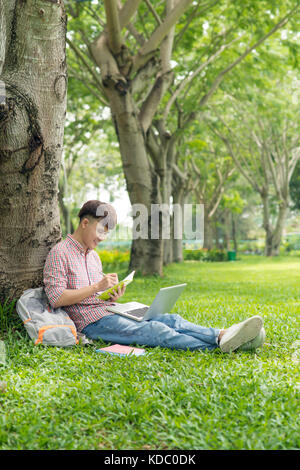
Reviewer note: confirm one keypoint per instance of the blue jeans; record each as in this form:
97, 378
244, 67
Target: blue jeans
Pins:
167, 330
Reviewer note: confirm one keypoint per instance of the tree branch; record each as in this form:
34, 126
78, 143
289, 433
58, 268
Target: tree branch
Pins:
222, 74
113, 26
149, 70
293, 162
159, 34
182, 176
167, 44
137, 36
193, 14
217, 199
157, 18
127, 11
89, 86
85, 62
226, 141
191, 77
153, 148
105, 60
152, 101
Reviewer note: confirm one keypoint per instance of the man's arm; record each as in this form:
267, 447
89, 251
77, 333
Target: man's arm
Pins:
55, 275
56, 282
74, 296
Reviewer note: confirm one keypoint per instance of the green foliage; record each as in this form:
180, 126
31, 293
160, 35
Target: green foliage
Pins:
223, 28
8, 316
233, 201
113, 259
291, 243
252, 246
205, 255
76, 399
2, 354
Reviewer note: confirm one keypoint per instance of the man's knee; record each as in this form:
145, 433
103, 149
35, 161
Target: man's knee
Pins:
170, 319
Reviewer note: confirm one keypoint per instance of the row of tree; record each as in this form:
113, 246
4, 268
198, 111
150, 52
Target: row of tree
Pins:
168, 109
176, 77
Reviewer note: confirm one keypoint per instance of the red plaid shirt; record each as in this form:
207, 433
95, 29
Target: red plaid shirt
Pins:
68, 266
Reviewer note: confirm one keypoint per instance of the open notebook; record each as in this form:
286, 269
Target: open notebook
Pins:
105, 294
121, 350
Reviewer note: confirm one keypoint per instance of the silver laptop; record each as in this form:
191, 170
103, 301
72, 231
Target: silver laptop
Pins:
163, 303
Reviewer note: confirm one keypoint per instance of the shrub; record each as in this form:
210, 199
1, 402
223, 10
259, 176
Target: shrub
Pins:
196, 255
205, 255
216, 255
113, 258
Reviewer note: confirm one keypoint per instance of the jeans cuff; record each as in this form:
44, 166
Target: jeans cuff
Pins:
217, 331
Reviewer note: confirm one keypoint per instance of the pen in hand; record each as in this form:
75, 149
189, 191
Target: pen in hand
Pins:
109, 280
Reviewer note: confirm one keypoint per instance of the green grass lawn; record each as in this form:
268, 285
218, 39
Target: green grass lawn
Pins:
76, 398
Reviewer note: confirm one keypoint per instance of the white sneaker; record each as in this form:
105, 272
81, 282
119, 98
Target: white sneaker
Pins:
256, 342
241, 333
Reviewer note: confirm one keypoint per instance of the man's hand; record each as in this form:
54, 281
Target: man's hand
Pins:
117, 293
109, 280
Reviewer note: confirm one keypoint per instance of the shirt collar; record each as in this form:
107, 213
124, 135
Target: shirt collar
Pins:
77, 245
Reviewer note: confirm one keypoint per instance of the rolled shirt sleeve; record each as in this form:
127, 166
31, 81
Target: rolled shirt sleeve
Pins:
55, 276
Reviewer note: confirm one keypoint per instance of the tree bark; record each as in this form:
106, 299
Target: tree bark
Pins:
31, 138
266, 223
234, 232
69, 228
179, 198
142, 182
208, 231
278, 230
273, 234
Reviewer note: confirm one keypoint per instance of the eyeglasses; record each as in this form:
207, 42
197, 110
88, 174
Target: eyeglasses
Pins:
102, 233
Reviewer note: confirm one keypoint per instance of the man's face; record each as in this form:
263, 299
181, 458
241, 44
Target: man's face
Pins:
93, 233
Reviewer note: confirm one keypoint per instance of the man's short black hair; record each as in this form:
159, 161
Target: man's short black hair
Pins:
99, 210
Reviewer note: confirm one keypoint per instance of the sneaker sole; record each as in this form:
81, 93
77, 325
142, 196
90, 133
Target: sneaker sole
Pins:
247, 330
255, 343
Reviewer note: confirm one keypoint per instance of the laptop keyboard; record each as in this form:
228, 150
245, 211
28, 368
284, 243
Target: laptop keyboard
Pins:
138, 312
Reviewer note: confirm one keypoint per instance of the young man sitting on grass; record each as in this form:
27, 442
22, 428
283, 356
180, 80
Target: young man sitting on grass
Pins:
73, 277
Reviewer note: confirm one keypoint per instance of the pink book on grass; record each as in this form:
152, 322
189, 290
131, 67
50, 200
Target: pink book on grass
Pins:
122, 350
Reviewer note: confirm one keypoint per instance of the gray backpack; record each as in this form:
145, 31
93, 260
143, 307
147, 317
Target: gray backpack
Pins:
44, 324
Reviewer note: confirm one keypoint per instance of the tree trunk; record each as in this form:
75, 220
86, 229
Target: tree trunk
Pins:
208, 232
266, 223
141, 180
33, 71
65, 213
277, 234
227, 231
273, 235
122, 74
216, 227
179, 197
234, 233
